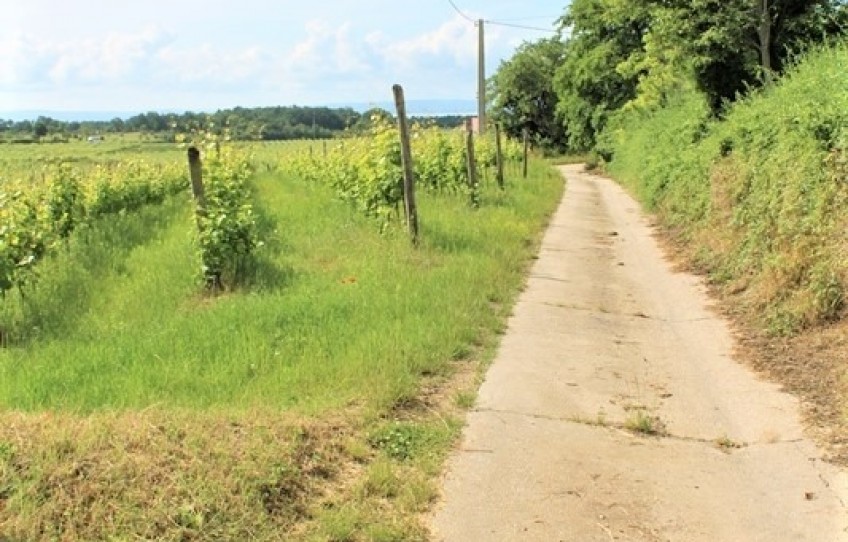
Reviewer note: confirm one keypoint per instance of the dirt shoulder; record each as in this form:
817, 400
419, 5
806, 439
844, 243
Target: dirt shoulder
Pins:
812, 365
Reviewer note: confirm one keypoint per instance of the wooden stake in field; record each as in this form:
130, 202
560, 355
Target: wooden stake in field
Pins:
195, 170
406, 160
526, 151
499, 156
471, 163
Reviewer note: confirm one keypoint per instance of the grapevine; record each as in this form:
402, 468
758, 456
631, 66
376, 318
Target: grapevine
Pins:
366, 171
227, 228
35, 217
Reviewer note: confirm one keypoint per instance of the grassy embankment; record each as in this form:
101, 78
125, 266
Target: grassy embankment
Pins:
314, 403
759, 201
762, 194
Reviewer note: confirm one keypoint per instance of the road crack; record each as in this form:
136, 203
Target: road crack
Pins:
546, 277
718, 442
826, 483
637, 314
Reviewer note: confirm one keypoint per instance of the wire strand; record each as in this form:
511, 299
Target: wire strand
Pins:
537, 18
502, 23
461, 12
525, 27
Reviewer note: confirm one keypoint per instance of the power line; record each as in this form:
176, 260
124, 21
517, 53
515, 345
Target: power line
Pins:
502, 23
461, 12
537, 18
525, 27
481, 62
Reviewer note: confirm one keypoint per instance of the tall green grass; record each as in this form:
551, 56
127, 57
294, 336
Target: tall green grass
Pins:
336, 313
760, 195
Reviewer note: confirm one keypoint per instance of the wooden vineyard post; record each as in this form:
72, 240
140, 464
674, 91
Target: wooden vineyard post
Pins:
499, 156
325, 149
526, 151
195, 170
472, 163
406, 160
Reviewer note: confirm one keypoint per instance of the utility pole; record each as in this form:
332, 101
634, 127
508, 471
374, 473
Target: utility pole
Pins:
481, 80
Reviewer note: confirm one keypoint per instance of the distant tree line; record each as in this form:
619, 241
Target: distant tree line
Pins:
242, 123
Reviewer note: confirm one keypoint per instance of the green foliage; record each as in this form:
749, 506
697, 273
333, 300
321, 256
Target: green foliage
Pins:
603, 35
24, 239
624, 54
366, 171
227, 229
523, 95
65, 207
730, 47
442, 167
33, 219
761, 194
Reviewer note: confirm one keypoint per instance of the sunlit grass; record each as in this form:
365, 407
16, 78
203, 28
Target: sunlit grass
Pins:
337, 314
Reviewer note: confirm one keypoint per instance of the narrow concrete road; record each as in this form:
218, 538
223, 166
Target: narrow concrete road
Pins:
607, 338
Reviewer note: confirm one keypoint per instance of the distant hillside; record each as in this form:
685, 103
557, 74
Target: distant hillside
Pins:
424, 108
242, 123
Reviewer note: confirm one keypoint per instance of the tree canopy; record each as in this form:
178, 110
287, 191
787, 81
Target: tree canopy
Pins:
522, 92
613, 55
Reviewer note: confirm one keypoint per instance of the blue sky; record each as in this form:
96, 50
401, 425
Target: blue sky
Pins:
139, 55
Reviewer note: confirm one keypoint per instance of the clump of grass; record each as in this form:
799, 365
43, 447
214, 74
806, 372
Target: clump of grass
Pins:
643, 423
465, 400
727, 444
398, 440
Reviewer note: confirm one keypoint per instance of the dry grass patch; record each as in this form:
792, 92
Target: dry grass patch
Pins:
163, 476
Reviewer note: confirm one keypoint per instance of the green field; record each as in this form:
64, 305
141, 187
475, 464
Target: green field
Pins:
313, 400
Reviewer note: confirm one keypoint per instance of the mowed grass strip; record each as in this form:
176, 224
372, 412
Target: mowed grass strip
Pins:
303, 406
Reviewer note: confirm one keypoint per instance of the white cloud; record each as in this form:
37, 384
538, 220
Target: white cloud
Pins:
328, 51
208, 65
363, 65
455, 40
330, 63
22, 58
28, 61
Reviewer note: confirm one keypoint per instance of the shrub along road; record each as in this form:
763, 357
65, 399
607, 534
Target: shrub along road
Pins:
615, 410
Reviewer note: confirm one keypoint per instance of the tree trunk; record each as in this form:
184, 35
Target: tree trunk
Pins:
764, 33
